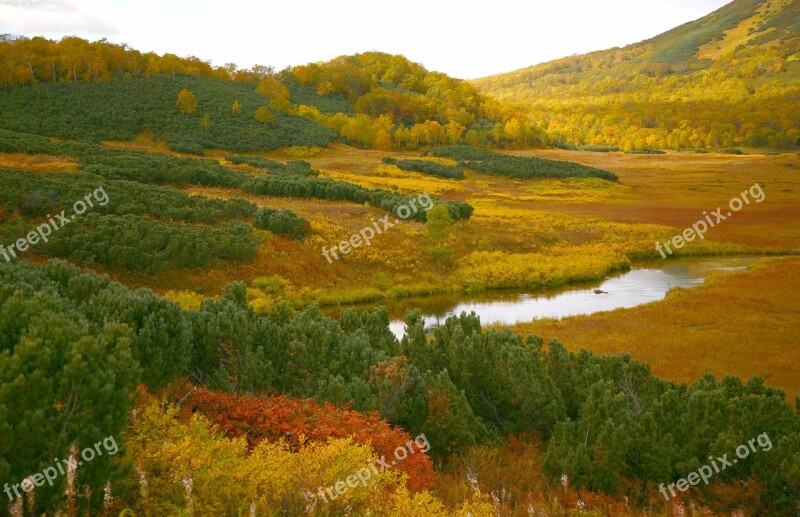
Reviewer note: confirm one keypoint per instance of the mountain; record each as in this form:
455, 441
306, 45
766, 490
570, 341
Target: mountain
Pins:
77, 89
727, 79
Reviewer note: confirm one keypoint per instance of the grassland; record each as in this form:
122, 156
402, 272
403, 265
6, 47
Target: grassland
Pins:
743, 324
524, 233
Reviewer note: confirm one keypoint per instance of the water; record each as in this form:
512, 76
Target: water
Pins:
642, 284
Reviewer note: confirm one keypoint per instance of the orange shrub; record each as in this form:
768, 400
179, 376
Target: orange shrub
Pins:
276, 418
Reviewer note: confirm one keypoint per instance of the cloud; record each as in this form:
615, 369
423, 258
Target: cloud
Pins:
54, 17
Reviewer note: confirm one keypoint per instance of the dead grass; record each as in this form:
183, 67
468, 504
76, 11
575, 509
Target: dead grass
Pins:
743, 324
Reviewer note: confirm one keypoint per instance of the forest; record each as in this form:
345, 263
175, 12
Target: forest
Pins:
373, 100
722, 81
606, 421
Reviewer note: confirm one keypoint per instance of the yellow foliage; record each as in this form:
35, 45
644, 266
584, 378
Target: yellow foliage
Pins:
186, 299
226, 478
497, 270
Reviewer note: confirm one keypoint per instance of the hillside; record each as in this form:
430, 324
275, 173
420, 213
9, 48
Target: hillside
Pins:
727, 79
101, 91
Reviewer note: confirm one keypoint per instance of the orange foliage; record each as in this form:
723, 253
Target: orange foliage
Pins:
275, 418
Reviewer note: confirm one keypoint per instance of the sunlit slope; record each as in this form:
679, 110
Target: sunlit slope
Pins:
727, 79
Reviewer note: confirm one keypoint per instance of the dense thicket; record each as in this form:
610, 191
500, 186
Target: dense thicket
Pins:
426, 167
326, 188
141, 243
605, 418
121, 110
36, 195
489, 162
300, 167
372, 99
282, 222
294, 179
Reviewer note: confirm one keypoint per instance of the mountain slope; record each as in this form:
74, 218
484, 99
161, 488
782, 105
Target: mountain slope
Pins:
723, 80
77, 89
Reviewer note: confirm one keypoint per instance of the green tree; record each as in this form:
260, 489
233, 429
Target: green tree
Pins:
205, 121
439, 224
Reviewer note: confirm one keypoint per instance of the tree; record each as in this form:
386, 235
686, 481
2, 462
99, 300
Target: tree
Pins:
187, 101
271, 87
383, 141
264, 115
236, 107
439, 224
205, 121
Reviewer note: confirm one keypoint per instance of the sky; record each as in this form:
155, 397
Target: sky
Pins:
464, 39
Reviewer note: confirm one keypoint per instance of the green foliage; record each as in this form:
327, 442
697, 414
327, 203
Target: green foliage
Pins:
74, 348
439, 224
282, 222
139, 243
264, 115
489, 162
597, 148
294, 179
325, 188
605, 418
36, 195
439, 253
645, 151
426, 167
292, 167
120, 110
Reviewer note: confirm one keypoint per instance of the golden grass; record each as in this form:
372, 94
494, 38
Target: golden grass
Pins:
576, 221
743, 324
38, 162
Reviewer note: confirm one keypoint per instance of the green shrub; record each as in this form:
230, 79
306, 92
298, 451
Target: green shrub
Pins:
489, 162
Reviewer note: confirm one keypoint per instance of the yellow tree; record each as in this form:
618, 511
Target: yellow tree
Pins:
236, 107
264, 115
513, 130
187, 101
455, 132
272, 88
383, 133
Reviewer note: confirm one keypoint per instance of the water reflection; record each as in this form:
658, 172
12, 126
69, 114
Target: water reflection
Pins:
642, 284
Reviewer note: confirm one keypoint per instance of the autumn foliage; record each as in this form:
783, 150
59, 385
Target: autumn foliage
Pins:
275, 418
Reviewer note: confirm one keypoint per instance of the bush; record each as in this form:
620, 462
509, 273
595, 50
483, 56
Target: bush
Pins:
598, 148
426, 167
488, 162
281, 222
645, 151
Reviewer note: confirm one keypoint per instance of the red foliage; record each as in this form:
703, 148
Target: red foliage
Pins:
275, 418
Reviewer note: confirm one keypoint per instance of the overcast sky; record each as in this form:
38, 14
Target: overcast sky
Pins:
465, 39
